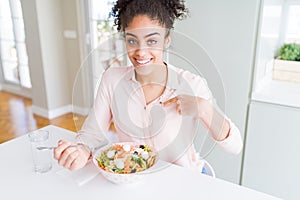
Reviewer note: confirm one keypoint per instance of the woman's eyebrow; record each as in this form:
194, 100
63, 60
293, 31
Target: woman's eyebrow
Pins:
149, 35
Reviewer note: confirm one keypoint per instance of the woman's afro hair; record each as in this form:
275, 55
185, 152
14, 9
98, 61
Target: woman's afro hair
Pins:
164, 11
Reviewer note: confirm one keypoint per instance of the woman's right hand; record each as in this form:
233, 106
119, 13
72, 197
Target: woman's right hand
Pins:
70, 156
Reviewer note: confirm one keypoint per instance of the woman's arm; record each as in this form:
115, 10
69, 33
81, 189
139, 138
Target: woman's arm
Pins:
90, 137
202, 109
213, 119
224, 132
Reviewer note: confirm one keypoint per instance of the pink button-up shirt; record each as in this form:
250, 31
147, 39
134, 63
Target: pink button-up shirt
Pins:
120, 99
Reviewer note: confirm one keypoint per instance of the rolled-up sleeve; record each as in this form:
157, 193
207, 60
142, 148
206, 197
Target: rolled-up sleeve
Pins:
233, 143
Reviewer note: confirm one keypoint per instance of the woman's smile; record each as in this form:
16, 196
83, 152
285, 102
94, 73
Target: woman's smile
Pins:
143, 62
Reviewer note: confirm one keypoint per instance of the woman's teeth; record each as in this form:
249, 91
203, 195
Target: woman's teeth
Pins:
143, 62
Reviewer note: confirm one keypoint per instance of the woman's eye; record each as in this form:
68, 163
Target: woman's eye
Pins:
131, 41
152, 42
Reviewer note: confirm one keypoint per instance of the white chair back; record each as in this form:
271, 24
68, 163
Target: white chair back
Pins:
209, 169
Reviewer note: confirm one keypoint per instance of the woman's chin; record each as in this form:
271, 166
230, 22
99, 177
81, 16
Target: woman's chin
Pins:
144, 70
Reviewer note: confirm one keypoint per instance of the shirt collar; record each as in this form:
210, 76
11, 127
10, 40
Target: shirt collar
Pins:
130, 74
173, 82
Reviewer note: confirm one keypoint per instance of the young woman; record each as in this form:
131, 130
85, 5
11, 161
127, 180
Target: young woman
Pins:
152, 101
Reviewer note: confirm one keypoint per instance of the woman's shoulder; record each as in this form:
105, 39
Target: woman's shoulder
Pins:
183, 74
189, 81
118, 70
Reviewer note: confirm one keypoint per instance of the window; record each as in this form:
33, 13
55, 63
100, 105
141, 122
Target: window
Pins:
101, 26
107, 45
13, 54
292, 34
279, 24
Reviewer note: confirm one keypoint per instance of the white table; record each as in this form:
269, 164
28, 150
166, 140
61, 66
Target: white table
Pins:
18, 180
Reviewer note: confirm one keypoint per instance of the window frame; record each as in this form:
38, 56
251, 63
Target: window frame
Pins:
16, 87
264, 88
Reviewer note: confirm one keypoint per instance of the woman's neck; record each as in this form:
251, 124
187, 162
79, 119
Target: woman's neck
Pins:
157, 76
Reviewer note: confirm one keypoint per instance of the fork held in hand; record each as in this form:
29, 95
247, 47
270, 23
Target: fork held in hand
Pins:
51, 148
45, 148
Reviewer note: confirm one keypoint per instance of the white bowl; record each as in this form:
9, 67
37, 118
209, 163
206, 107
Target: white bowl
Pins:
121, 178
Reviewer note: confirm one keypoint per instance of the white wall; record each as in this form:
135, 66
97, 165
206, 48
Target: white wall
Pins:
227, 30
1, 79
76, 55
35, 61
53, 52
53, 59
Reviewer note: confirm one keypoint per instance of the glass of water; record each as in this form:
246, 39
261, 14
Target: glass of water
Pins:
42, 159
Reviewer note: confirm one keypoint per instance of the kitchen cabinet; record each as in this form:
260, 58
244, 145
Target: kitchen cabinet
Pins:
271, 162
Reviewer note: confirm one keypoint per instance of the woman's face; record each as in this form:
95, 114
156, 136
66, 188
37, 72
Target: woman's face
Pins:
145, 42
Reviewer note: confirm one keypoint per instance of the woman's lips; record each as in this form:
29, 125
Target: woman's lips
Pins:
143, 61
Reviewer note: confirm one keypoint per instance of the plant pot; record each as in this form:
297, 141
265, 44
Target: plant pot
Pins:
286, 70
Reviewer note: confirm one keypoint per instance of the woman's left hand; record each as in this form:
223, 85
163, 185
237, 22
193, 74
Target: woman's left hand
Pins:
202, 109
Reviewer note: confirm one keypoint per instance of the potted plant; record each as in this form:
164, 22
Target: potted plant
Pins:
287, 63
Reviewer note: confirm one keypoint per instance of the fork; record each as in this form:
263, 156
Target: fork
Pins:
51, 148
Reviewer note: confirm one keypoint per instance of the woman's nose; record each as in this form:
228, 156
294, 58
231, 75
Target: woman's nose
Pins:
142, 50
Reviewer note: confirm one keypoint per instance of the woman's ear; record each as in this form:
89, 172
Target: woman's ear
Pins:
167, 42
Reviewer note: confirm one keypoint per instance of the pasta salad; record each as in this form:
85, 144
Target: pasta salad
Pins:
126, 158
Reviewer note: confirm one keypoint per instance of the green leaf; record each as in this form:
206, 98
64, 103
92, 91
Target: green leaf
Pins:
290, 52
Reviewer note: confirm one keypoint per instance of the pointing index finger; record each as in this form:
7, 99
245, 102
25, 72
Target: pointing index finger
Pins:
170, 101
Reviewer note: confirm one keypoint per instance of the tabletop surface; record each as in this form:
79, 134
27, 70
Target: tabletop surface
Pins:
18, 180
